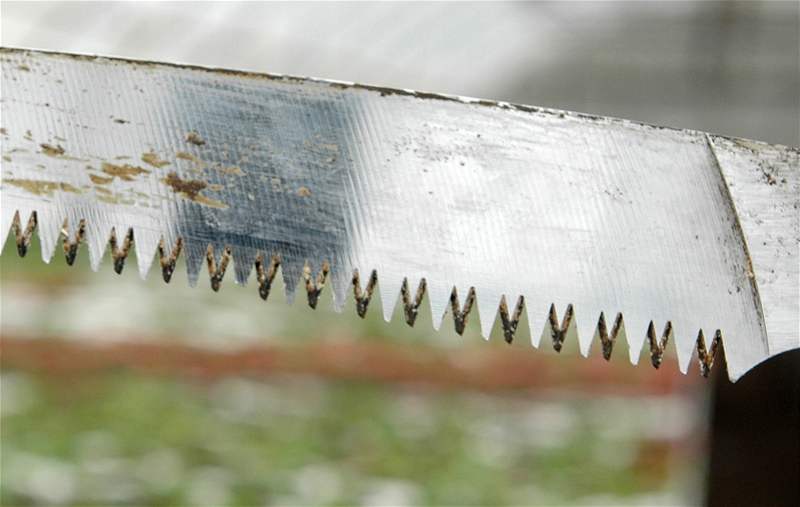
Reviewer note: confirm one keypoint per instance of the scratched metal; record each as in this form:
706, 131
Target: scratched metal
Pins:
607, 215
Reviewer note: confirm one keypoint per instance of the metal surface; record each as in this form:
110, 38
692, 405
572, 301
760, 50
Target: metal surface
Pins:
484, 202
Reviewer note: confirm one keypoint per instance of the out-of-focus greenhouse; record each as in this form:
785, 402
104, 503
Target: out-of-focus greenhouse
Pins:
122, 391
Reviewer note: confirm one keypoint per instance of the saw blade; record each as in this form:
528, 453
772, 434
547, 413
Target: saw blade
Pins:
590, 226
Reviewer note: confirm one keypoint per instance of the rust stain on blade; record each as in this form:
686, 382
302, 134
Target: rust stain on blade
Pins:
124, 172
190, 189
39, 187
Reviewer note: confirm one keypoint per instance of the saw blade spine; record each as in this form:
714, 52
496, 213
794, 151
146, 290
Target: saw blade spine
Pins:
314, 280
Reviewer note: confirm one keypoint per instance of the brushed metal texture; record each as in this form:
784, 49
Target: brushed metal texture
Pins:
668, 227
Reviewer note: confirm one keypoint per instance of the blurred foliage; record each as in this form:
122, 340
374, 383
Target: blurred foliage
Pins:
123, 438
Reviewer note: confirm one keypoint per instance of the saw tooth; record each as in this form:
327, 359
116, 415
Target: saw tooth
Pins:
266, 269
243, 261
412, 300
315, 284
120, 247
363, 296
146, 244
340, 280
96, 239
684, 339
7, 217
461, 313
217, 264
168, 257
291, 271
195, 256
587, 320
487, 302
635, 333
439, 296
49, 229
390, 288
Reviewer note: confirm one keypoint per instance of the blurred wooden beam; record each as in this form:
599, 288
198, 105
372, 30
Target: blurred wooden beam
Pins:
482, 368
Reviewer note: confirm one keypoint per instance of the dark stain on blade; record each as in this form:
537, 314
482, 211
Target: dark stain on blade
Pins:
190, 189
124, 172
52, 150
39, 187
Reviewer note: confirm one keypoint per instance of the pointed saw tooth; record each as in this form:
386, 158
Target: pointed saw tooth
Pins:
635, 333
488, 304
340, 280
243, 261
6, 218
195, 256
684, 338
586, 322
439, 299
146, 243
291, 272
96, 239
390, 287
49, 226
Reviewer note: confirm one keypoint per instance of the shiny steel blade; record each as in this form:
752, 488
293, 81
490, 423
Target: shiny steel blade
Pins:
589, 225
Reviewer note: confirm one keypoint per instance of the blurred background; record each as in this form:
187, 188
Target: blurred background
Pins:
122, 391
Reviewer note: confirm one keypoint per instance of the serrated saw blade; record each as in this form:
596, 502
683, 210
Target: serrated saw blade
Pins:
585, 225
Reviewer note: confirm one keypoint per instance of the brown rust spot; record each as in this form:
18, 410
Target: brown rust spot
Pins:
6, 158
120, 121
51, 150
102, 190
183, 155
39, 187
125, 172
24, 68
153, 159
3, 131
101, 180
303, 192
230, 170
194, 138
190, 189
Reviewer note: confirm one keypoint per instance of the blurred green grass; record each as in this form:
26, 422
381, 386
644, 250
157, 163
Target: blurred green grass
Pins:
301, 441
